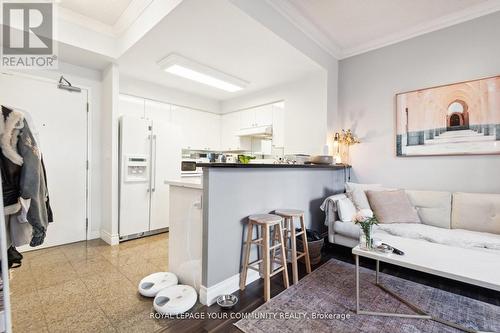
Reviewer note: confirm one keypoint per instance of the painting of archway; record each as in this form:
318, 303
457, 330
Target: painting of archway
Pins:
458, 116
454, 119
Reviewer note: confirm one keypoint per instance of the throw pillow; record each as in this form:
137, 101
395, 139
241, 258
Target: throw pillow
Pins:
392, 207
356, 192
346, 209
351, 187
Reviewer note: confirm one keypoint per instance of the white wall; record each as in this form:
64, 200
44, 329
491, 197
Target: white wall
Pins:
305, 111
369, 82
266, 14
109, 144
135, 87
91, 79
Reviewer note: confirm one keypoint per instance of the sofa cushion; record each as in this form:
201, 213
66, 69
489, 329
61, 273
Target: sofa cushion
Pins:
346, 209
392, 207
433, 207
348, 229
476, 212
356, 192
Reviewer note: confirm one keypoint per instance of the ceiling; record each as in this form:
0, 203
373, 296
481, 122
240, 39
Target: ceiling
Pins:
217, 34
349, 27
105, 11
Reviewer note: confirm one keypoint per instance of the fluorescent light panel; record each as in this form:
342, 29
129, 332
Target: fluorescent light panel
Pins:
189, 69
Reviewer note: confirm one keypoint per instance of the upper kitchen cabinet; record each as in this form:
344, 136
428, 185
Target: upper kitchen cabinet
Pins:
255, 117
201, 130
264, 115
278, 112
158, 111
229, 127
131, 106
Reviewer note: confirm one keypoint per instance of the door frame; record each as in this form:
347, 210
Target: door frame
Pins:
88, 152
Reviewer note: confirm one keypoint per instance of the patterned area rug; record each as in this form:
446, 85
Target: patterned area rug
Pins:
330, 291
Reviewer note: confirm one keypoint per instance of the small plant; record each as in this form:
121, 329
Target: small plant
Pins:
348, 138
366, 223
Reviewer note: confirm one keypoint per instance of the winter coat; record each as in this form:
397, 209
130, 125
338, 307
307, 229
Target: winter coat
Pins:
23, 173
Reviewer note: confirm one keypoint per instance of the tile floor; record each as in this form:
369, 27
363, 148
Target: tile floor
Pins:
87, 287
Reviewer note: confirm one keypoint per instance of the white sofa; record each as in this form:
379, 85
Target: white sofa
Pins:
470, 220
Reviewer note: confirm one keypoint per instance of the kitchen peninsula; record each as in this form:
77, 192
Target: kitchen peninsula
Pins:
232, 192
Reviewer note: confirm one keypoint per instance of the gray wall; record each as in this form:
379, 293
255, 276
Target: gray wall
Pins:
367, 87
231, 195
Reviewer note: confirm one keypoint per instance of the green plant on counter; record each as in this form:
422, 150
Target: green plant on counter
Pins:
245, 159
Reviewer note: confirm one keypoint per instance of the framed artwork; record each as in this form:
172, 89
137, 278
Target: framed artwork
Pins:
456, 119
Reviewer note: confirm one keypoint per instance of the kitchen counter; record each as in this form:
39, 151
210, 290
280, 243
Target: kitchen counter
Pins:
195, 183
232, 192
275, 166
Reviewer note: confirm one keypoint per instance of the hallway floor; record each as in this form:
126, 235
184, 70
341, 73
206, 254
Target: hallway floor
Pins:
87, 287
456, 142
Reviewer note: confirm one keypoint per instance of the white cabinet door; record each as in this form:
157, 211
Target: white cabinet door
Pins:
208, 137
131, 106
278, 127
186, 119
247, 118
158, 111
201, 130
229, 125
264, 115
229, 140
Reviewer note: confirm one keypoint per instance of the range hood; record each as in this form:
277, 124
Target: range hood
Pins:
259, 132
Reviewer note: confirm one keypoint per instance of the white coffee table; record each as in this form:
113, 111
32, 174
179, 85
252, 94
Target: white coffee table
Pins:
472, 266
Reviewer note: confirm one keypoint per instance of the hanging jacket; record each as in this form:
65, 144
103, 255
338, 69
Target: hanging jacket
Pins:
24, 172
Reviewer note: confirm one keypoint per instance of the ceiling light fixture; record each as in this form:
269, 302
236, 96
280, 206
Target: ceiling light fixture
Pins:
189, 69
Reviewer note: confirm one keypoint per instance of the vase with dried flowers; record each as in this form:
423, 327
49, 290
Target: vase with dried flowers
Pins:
366, 223
345, 139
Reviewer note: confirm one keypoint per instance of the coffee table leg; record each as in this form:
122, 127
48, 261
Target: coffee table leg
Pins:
376, 272
357, 284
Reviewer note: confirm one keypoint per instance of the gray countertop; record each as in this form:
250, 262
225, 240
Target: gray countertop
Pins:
190, 183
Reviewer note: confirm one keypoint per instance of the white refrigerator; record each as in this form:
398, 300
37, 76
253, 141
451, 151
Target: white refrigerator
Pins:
150, 153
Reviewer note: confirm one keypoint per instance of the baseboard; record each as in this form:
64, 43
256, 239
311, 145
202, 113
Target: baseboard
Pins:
208, 296
110, 239
94, 234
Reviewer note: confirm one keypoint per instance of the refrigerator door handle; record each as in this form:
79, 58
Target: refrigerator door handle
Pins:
154, 164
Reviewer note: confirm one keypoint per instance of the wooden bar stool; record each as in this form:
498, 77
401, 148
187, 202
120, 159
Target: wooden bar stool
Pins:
290, 236
265, 264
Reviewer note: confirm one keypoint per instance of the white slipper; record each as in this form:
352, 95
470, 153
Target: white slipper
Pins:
175, 300
152, 284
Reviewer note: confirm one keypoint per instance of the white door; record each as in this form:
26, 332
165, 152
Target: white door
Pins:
60, 117
135, 145
166, 165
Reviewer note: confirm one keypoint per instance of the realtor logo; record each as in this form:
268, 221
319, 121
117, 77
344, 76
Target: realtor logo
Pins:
28, 35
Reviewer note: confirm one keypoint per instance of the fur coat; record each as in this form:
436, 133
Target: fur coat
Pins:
23, 173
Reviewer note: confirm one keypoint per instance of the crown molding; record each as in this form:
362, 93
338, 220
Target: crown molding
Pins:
468, 14
126, 19
294, 16
130, 15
